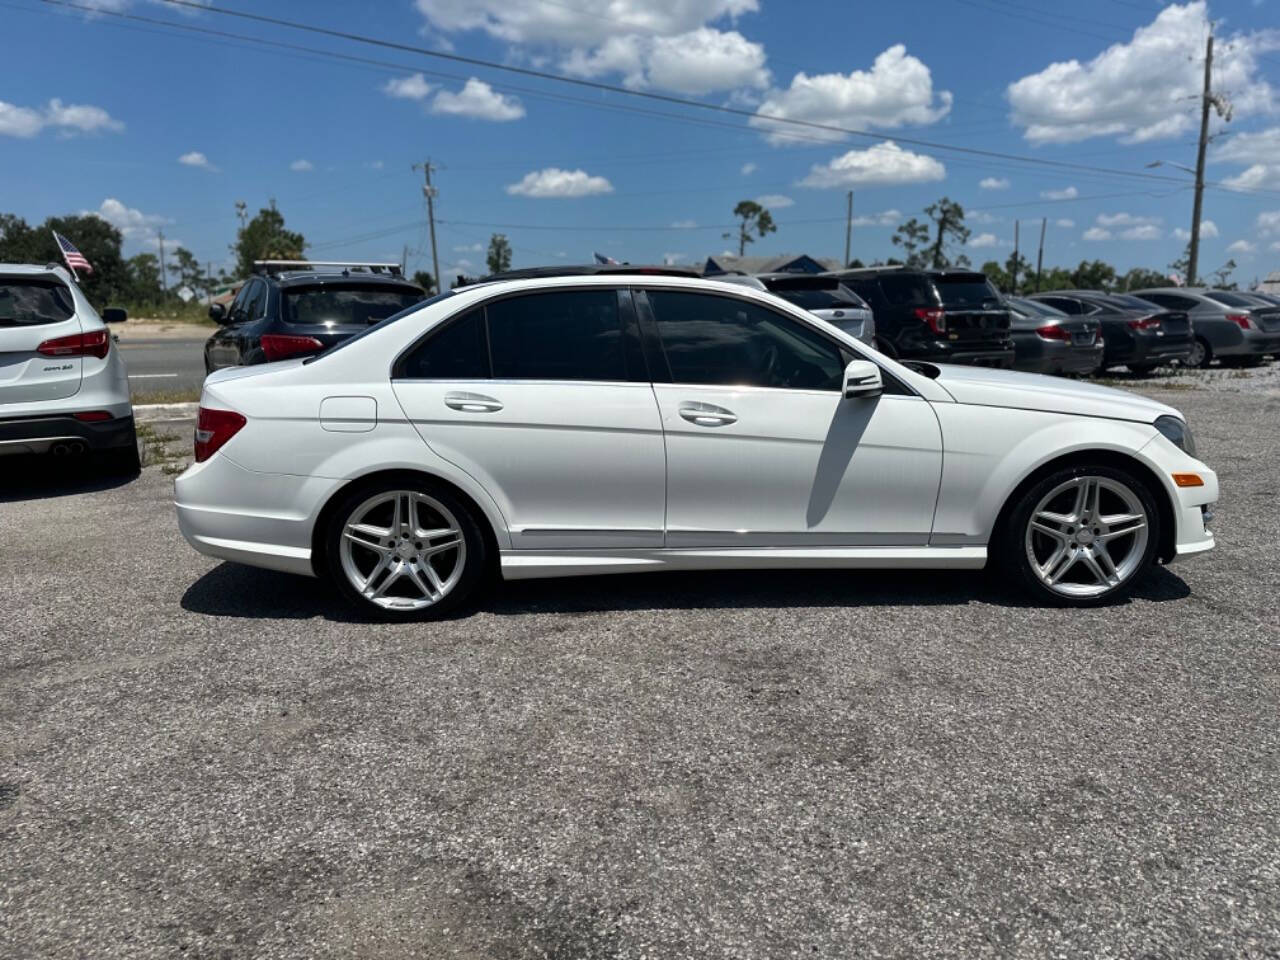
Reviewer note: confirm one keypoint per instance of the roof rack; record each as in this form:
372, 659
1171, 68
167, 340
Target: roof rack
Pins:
273, 267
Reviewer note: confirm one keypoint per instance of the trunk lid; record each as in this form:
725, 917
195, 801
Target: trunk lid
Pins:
34, 310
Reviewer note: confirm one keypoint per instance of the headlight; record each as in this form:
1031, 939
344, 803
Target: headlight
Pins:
1178, 433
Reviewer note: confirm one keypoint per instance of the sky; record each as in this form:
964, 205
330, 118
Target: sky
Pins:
161, 126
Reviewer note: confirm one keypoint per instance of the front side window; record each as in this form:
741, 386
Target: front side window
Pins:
573, 335
343, 305
25, 303
723, 341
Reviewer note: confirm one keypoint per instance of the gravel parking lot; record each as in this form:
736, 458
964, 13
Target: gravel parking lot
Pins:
205, 760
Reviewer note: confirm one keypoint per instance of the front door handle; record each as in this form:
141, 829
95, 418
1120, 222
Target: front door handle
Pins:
472, 402
707, 414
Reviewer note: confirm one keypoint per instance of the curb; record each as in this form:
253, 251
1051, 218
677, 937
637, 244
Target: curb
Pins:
153, 412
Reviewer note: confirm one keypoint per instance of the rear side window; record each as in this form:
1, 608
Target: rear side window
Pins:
557, 336
459, 351
343, 305
1170, 301
1065, 304
722, 341
1229, 299
836, 298
975, 292
28, 303
908, 291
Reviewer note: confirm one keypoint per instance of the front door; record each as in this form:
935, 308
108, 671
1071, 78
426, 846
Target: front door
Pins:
763, 450
543, 399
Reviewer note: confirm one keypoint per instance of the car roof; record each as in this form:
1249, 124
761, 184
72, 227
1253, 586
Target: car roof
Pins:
35, 269
588, 270
854, 272
298, 278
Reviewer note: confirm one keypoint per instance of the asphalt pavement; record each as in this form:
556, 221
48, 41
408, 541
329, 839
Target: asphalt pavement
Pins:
204, 760
163, 365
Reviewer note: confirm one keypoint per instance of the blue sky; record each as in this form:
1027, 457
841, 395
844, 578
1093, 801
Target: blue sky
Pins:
164, 130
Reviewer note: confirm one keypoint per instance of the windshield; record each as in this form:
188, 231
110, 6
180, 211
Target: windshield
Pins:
1229, 299
973, 291
25, 303
378, 326
340, 305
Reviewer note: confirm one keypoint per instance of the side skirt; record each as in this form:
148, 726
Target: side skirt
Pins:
530, 564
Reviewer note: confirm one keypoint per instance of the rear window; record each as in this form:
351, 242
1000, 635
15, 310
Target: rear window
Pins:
28, 303
1229, 299
910, 290
973, 291
342, 305
835, 298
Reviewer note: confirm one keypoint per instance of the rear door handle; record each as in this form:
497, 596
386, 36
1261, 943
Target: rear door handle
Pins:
472, 402
707, 414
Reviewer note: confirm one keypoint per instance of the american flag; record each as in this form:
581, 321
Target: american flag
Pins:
75, 259
602, 259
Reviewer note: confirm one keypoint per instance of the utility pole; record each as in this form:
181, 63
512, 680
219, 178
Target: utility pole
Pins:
429, 192
1013, 285
242, 212
1044, 222
1193, 256
164, 281
848, 229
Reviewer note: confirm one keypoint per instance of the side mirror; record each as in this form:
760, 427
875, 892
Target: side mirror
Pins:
114, 315
862, 380
218, 312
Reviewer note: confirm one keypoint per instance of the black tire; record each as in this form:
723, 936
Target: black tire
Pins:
122, 461
474, 557
1010, 541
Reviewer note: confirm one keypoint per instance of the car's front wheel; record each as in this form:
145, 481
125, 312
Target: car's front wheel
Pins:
1082, 535
405, 550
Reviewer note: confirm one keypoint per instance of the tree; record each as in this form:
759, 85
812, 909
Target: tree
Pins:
265, 238
1093, 275
912, 237
1219, 277
190, 273
1001, 275
928, 246
856, 264
144, 279
1183, 264
754, 219
1140, 278
425, 280
499, 256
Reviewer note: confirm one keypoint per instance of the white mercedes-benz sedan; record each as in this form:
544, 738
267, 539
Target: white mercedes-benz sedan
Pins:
612, 424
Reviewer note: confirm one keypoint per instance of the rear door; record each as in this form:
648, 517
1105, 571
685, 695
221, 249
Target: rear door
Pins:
974, 313
544, 399
35, 310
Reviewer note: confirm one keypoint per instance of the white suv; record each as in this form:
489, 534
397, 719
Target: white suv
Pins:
63, 386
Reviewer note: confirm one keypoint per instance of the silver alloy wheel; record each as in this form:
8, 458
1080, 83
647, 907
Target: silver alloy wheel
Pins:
1086, 536
1196, 357
403, 550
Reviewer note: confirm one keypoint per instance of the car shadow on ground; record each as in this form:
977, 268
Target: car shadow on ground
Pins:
233, 590
40, 478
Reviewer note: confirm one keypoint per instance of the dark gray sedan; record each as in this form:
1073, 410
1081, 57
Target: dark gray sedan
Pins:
1046, 340
1228, 325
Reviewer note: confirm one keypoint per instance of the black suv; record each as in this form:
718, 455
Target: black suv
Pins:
293, 308
942, 316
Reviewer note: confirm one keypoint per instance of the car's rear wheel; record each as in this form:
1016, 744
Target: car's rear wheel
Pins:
405, 550
1201, 354
1082, 535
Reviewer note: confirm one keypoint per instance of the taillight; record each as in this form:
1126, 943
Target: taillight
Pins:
934, 317
1146, 323
92, 416
213, 429
1052, 331
96, 343
1241, 320
281, 346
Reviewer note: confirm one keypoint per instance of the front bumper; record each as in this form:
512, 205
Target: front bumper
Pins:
46, 434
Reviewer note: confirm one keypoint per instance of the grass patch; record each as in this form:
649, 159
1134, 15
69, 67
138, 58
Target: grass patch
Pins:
157, 449
188, 395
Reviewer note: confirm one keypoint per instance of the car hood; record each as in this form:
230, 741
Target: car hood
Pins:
990, 387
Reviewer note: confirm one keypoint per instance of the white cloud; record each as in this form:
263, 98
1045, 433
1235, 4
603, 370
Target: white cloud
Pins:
994, 183
68, 119
884, 164
984, 240
478, 100
885, 218
775, 201
1275, 245
748, 169
896, 91
1208, 230
197, 159
1146, 231
1141, 90
981, 216
374, 164
1259, 153
698, 62
1125, 220
132, 223
1064, 222
684, 224
1242, 246
302, 166
1068, 193
412, 87
1097, 233
1268, 222
1260, 176
554, 182
469, 248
